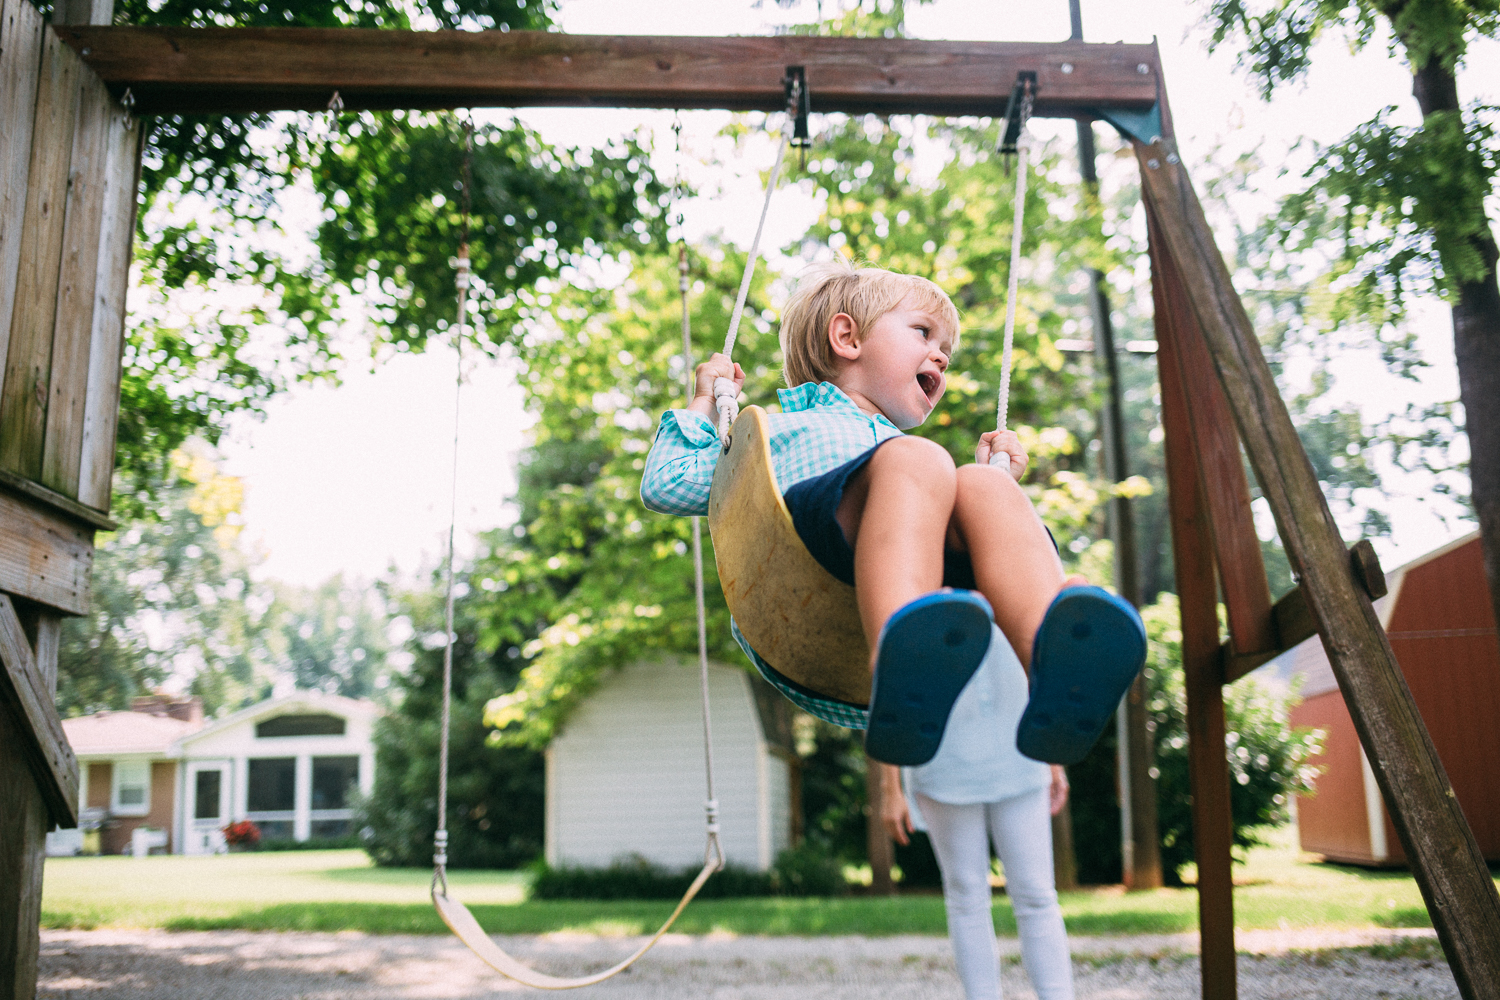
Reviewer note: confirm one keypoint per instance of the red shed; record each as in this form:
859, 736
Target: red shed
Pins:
1442, 627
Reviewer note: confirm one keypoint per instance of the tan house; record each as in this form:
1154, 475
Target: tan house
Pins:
290, 765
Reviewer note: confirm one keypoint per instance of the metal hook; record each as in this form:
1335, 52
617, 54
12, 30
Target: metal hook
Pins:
336, 104
127, 101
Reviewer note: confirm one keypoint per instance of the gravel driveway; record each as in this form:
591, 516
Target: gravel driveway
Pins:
240, 965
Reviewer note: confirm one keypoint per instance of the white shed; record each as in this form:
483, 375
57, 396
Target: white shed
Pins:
625, 774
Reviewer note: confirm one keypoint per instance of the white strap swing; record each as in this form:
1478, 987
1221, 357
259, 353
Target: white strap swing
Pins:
457, 916
806, 626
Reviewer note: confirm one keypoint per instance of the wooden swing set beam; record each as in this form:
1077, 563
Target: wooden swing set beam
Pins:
224, 70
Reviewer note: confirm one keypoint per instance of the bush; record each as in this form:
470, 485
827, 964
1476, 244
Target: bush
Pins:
807, 871
798, 872
326, 844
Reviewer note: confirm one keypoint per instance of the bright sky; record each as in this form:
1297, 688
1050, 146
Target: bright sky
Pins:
355, 478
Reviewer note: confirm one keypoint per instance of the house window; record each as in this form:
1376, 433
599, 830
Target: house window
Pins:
273, 784
132, 788
321, 724
332, 778
206, 794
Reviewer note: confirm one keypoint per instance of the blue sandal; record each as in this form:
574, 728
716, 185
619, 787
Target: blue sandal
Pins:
928, 651
1088, 651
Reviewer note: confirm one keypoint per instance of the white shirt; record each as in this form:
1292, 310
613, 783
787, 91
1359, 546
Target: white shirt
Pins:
978, 760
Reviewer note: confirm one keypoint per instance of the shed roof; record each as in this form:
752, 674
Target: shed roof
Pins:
1309, 661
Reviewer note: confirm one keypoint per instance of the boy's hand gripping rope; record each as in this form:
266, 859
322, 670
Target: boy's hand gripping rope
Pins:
1024, 143
726, 393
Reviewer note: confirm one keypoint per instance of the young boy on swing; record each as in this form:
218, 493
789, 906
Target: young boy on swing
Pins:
936, 552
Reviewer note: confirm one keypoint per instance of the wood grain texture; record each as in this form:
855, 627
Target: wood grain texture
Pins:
28, 367
1221, 470
44, 557
23, 834
23, 687
101, 410
66, 506
1193, 561
20, 56
78, 272
1454, 880
1294, 619
190, 70
48, 646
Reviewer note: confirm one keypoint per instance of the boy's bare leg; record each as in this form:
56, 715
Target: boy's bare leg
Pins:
898, 509
1015, 564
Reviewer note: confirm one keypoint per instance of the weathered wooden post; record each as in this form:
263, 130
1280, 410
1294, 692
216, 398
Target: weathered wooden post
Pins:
68, 162
1450, 870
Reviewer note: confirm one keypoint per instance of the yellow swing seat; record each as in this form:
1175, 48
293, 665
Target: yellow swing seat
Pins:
797, 616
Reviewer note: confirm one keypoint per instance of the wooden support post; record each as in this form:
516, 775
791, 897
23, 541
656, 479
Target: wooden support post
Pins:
1446, 860
23, 832
1192, 551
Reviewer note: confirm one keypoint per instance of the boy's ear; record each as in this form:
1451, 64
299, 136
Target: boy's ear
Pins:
843, 336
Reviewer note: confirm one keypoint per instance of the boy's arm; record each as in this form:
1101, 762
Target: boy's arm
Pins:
680, 467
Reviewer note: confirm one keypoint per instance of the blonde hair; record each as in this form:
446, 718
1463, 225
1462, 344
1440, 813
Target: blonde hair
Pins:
863, 293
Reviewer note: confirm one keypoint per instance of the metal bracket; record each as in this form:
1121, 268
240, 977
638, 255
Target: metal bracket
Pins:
1017, 110
798, 103
1138, 126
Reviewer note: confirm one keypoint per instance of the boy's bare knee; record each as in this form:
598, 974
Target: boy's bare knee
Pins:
990, 482
914, 456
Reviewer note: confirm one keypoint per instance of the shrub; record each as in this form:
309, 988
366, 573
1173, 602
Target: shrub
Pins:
807, 871
799, 872
326, 844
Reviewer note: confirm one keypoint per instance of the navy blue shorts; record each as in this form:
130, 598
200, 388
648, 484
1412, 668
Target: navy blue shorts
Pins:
814, 505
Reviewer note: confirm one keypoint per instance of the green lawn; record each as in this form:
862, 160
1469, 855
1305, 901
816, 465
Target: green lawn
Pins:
340, 890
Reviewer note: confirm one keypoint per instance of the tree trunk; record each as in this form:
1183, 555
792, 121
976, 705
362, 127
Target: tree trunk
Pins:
1476, 343
878, 845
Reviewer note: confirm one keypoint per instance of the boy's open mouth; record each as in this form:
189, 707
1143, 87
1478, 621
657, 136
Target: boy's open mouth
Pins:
929, 383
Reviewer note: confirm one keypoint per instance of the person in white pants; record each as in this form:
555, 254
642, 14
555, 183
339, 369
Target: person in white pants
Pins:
979, 790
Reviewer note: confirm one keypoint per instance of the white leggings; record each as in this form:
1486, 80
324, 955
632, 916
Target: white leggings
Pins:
1022, 832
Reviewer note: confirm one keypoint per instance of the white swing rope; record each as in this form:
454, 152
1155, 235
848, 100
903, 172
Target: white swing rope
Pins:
458, 918
726, 394
713, 851
1023, 156
440, 837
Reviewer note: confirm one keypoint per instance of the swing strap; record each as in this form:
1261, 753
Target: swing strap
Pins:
462, 923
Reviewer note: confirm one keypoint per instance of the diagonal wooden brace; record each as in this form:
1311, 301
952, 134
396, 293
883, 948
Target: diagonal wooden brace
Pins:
1446, 860
52, 761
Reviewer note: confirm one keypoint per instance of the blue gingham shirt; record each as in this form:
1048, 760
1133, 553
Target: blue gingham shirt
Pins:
818, 429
